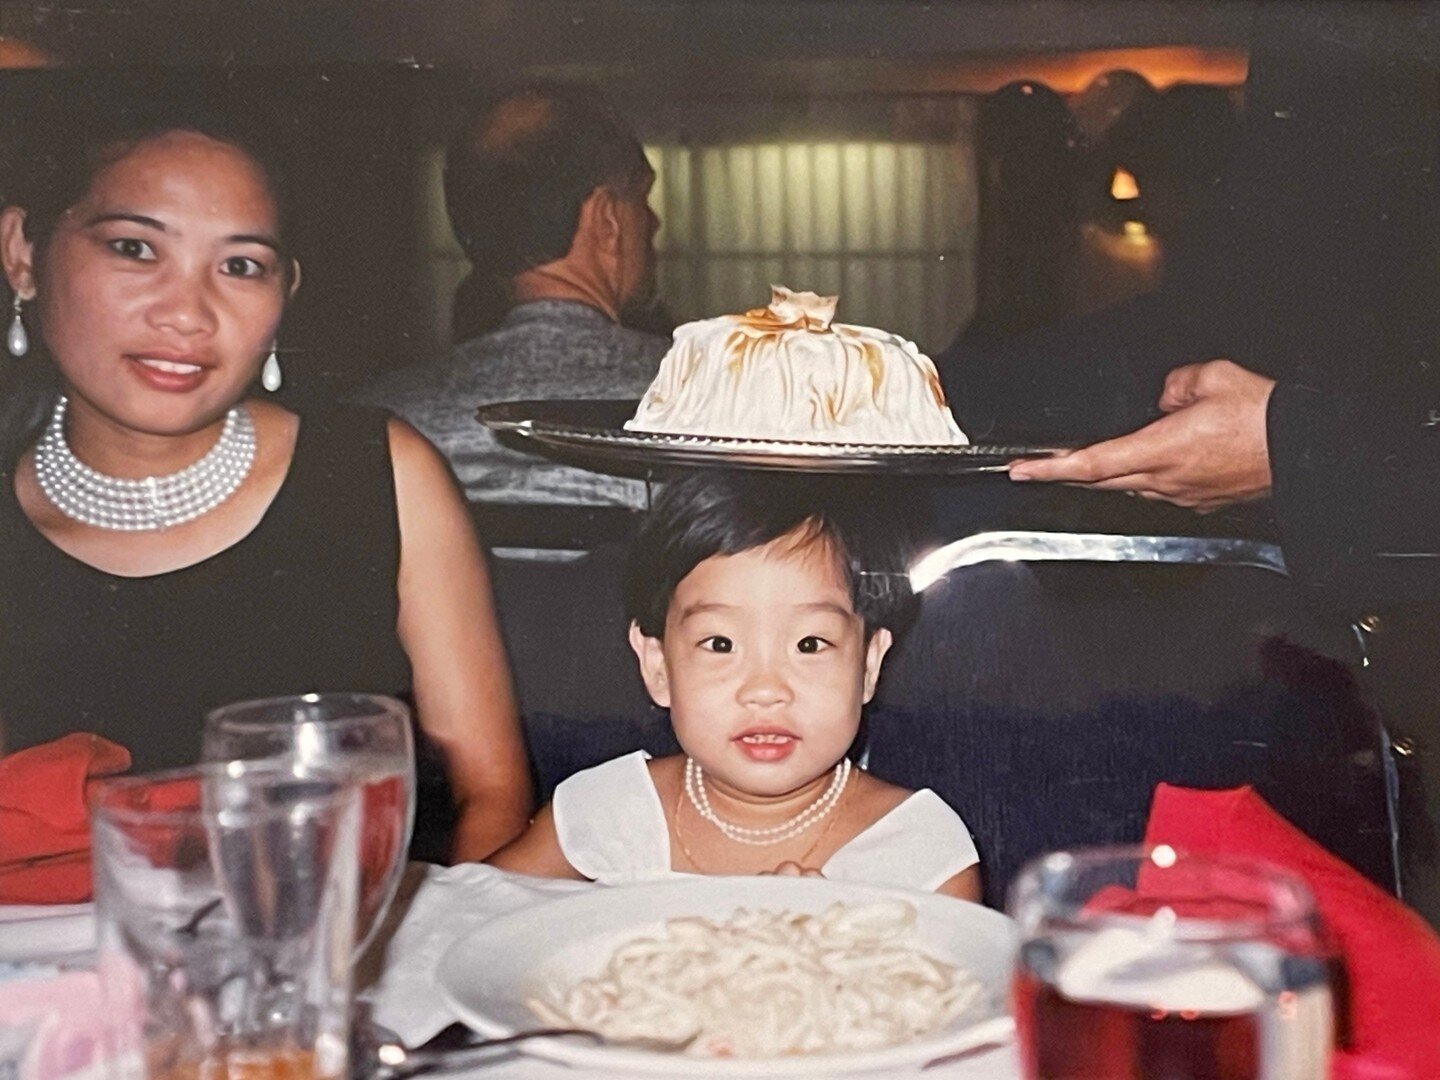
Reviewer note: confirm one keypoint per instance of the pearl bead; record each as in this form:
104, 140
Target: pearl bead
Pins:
151, 503
774, 834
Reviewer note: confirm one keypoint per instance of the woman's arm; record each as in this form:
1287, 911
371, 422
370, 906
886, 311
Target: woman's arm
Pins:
447, 626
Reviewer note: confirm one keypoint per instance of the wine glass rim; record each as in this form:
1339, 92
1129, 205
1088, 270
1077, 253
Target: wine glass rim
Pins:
105, 794
1291, 903
234, 715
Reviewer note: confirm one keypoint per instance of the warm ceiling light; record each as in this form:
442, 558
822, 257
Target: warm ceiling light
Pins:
1071, 72
19, 53
1123, 186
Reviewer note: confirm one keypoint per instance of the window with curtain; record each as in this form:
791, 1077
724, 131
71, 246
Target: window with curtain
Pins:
889, 226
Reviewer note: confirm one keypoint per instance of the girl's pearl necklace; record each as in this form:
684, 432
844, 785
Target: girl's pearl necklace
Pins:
153, 502
773, 834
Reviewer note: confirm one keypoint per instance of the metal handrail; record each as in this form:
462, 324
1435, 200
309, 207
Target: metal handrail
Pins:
1020, 545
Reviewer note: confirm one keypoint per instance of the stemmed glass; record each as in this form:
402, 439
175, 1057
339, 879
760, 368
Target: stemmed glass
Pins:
225, 908
365, 738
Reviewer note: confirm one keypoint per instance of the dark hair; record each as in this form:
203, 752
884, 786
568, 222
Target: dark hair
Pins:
59, 156
722, 513
519, 171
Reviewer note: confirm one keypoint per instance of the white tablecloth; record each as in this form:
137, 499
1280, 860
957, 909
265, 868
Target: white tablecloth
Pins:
442, 905
436, 908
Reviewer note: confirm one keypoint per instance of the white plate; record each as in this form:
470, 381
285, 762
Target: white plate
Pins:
488, 975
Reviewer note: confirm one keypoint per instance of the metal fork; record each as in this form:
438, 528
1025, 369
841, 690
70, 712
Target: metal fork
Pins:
382, 1056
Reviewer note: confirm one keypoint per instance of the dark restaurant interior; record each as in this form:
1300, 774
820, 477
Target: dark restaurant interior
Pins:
1057, 200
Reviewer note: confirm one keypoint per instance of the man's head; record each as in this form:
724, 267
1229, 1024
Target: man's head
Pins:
550, 178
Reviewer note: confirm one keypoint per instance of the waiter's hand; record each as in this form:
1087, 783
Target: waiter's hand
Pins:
1208, 452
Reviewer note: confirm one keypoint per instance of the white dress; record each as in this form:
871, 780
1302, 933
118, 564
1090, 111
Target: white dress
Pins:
612, 829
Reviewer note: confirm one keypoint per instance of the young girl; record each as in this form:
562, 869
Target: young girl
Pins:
761, 611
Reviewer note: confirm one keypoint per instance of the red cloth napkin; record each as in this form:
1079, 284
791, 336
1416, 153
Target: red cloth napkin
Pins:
42, 812
1391, 954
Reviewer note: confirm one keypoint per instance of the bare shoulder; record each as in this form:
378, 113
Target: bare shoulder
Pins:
412, 451
874, 798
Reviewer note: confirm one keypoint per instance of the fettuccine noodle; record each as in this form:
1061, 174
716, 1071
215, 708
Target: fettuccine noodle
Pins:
764, 984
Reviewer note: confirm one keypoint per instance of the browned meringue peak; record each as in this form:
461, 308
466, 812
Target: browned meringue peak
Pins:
794, 310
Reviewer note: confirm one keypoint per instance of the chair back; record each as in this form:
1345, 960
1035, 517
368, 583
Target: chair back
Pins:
1052, 680
577, 682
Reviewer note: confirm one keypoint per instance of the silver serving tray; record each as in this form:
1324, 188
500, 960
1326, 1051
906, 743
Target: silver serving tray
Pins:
594, 431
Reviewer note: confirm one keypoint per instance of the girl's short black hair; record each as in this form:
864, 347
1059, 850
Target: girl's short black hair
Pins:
725, 513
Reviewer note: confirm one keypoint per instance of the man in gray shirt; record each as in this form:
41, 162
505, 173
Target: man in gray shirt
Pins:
547, 193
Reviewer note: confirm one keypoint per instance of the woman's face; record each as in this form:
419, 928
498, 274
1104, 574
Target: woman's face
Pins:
161, 290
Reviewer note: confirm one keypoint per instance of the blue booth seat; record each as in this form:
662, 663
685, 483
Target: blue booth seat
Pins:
578, 685
1052, 680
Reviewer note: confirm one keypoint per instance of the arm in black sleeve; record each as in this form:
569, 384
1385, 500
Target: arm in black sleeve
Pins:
1357, 494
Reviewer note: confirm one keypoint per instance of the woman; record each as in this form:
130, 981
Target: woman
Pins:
269, 554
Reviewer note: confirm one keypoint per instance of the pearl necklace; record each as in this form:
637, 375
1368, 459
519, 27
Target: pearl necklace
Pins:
151, 503
773, 834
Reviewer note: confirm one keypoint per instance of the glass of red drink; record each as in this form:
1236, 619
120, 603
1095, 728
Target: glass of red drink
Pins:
366, 738
1152, 964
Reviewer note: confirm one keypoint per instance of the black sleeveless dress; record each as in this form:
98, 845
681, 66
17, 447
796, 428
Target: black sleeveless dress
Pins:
306, 602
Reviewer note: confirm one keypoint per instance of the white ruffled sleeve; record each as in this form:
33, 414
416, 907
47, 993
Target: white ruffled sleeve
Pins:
920, 845
610, 823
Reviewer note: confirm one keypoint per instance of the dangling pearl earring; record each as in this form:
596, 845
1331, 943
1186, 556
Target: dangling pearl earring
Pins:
270, 373
17, 341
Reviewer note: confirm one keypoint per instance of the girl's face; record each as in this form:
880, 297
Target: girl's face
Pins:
161, 290
764, 666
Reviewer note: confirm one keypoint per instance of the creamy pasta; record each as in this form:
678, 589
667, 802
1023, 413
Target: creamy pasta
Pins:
769, 983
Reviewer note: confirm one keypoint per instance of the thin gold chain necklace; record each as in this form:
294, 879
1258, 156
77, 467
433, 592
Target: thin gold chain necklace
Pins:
695, 863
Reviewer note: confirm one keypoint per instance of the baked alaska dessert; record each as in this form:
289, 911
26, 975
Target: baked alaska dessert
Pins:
787, 371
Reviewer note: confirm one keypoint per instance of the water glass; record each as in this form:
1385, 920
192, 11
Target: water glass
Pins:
1154, 964
365, 737
225, 904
